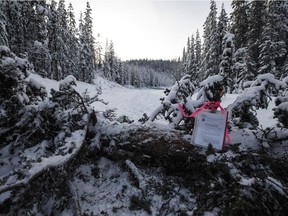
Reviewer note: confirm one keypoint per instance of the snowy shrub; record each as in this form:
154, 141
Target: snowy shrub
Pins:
242, 110
182, 89
13, 71
124, 119
36, 132
211, 89
281, 110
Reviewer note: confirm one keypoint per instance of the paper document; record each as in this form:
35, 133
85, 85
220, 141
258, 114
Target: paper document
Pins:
210, 128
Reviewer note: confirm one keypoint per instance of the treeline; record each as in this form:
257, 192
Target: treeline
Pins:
47, 35
252, 41
150, 73
45, 32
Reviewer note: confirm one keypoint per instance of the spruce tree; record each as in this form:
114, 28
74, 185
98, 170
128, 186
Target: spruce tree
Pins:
39, 54
111, 60
54, 42
239, 22
63, 51
87, 46
257, 14
106, 66
198, 48
226, 63
210, 55
3, 32
73, 43
240, 27
192, 62
273, 54
222, 29
14, 25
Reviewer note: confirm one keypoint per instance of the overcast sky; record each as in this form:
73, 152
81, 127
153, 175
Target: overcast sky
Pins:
147, 29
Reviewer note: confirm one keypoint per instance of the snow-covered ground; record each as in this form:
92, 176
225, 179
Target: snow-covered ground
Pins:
105, 187
134, 102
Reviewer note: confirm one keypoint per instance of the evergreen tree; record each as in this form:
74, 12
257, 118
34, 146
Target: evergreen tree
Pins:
15, 25
63, 52
106, 66
240, 27
197, 54
210, 55
239, 22
87, 46
98, 50
39, 53
3, 32
26, 23
274, 48
189, 59
257, 14
226, 63
111, 60
192, 62
82, 70
73, 43
53, 42
222, 29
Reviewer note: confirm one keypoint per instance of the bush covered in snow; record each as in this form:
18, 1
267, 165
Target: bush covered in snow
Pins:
281, 110
182, 90
211, 89
242, 111
36, 132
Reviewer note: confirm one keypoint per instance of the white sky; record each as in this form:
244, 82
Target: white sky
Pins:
151, 29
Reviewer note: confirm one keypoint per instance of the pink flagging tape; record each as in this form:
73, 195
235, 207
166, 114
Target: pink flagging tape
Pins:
212, 105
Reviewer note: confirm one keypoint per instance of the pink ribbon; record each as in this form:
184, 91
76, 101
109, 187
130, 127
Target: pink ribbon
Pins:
212, 105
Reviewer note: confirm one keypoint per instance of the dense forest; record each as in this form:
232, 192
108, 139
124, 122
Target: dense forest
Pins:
249, 42
48, 36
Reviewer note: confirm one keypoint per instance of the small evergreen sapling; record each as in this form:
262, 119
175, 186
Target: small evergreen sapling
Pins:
183, 89
242, 110
212, 89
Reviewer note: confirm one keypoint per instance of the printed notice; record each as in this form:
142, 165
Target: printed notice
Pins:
210, 128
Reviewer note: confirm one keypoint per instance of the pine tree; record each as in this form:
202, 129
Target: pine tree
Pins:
26, 26
53, 42
98, 50
187, 57
190, 59
192, 62
257, 14
210, 59
3, 32
14, 24
222, 28
106, 66
239, 22
240, 27
273, 54
226, 63
87, 46
73, 43
39, 54
63, 35
111, 60
198, 48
